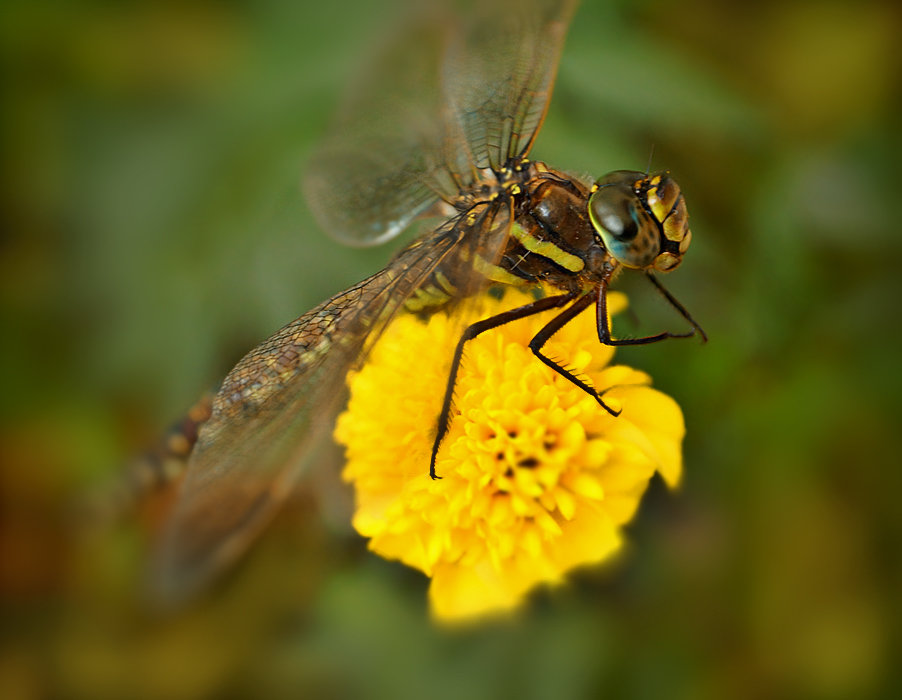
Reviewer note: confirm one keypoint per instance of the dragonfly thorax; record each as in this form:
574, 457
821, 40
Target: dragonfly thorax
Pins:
553, 225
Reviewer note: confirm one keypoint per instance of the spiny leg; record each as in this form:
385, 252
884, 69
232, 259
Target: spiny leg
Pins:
604, 325
679, 307
444, 418
552, 327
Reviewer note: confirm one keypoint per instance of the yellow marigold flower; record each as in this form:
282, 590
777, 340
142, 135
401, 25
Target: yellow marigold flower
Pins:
537, 478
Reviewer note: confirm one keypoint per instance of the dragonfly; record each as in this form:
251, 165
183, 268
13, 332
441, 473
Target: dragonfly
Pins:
436, 134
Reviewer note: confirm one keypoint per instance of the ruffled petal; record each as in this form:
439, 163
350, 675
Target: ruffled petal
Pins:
537, 478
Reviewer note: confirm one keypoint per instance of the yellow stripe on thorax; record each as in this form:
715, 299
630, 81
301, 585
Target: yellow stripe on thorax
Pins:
495, 273
547, 249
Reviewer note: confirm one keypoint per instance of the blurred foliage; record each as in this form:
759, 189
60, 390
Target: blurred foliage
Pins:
154, 232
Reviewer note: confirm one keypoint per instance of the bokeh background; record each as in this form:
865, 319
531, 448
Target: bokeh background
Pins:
154, 232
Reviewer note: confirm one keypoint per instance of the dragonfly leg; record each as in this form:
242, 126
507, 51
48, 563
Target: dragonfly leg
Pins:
680, 308
444, 419
604, 324
552, 327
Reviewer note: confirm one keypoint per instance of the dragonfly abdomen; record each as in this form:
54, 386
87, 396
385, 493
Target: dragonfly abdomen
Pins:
155, 469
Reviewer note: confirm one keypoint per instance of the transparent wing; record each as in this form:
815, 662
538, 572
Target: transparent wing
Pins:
414, 133
382, 163
498, 75
268, 414
433, 110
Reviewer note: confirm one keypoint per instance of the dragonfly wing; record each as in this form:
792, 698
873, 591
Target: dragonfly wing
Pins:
269, 413
498, 75
452, 98
383, 163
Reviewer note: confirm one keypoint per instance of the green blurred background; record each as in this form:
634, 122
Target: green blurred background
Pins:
151, 159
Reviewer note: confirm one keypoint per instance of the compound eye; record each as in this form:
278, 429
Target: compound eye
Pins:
617, 218
628, 232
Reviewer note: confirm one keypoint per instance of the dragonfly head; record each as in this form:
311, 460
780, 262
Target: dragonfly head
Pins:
641, 219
